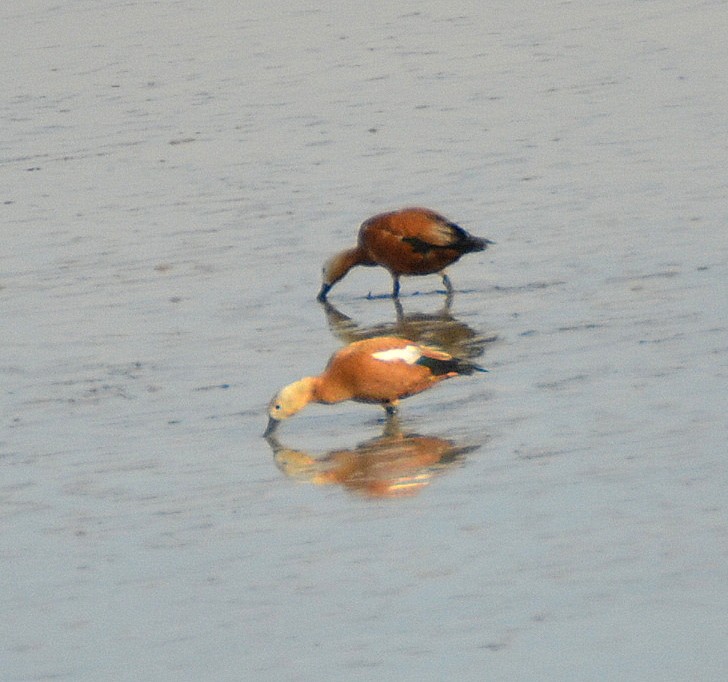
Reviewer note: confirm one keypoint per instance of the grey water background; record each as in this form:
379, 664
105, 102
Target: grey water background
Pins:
172, 176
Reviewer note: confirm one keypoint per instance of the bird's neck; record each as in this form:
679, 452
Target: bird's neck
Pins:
345, 261
329, 391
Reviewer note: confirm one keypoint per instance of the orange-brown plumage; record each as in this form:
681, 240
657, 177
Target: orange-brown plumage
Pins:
411, 241
381, 370
391, 465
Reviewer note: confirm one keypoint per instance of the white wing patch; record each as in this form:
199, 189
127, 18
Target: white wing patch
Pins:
408, 354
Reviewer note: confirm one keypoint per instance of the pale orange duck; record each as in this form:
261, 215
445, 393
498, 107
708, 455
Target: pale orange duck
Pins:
411, 241
381, 370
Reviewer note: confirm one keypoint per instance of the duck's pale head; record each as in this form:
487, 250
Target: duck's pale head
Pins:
289, 400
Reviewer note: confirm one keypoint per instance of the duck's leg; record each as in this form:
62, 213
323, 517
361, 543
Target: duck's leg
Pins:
447, 284
395, 288
390, 409
449, 291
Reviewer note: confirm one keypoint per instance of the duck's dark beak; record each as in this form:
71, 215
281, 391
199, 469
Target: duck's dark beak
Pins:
272, 426
325, 288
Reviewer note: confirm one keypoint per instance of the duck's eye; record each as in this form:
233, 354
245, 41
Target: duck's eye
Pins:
277, 407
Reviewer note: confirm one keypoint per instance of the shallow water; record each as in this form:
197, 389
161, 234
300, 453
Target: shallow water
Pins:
172, 177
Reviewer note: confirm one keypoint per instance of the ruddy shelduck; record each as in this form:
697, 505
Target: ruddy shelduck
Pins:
411, 241
381, 370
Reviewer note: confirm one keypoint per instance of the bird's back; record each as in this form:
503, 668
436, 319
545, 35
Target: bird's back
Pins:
415, 241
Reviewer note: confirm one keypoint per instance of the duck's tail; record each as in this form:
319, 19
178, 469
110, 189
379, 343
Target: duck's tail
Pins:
470, 243
450, 366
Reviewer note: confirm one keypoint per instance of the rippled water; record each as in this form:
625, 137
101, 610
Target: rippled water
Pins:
172, 177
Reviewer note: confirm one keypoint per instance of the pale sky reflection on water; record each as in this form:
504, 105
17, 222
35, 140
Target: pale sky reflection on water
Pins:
173, 176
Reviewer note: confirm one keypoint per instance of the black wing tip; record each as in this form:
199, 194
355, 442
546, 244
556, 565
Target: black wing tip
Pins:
465, 367
476, 243
438, 367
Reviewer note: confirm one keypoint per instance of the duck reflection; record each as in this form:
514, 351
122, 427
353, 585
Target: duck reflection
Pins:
392, 465
440, 329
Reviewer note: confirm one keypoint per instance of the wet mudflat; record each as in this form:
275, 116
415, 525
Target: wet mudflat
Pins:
173, 175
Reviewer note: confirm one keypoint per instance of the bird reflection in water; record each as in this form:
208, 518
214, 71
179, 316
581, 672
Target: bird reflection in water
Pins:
441, 330
392, 465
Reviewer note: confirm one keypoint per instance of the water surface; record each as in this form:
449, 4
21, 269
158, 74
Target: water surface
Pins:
172, 177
